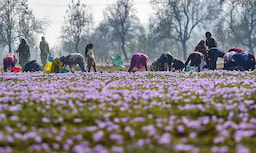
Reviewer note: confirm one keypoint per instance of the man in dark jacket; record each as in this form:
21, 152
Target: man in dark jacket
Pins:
210, 40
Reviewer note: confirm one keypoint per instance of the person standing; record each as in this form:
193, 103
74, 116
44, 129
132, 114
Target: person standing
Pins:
90, 57
213, 52
44, 47
210, 40
24, 52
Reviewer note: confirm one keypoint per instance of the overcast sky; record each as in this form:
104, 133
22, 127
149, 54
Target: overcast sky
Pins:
54, 11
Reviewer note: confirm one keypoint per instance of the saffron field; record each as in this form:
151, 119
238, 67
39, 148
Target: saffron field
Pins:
118, 112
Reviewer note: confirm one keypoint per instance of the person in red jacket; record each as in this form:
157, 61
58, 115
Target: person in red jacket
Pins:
139, 60
9, 61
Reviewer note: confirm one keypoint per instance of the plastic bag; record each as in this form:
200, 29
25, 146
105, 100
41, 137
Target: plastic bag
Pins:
15, 69
63, 70
50, 58
117, 61
191, 69
47, 67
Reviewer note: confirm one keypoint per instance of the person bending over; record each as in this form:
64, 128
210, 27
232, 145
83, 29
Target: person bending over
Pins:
196, 59
9, 61
72, 60
138, 60
163, 63
56, 65
178, 65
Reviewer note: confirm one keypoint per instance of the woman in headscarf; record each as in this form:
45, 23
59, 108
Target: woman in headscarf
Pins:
201, 47
196, 59
24, 52
56, 65
139, 60
163, 63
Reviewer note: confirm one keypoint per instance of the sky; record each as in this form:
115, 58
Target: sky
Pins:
55, 10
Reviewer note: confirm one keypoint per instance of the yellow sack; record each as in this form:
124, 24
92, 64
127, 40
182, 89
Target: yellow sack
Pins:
47, 67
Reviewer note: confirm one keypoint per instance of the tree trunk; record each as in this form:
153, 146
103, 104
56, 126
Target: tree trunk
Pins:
77, 43
10, 40
10, 47
106, 57
125, 55
251, 50
179, 50
123, 49
184, 47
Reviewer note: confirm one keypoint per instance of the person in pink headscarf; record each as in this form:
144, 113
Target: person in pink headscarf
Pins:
139, 60
9, 61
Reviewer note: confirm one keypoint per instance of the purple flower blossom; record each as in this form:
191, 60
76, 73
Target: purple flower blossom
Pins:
222, 149
45, 120
180, 128
100, 149
98, 136
14, 118
117, 149
78, 120
185, 147
116, 137
165, 139
241, 149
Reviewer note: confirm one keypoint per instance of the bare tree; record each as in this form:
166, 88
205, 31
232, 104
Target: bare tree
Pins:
177, 19
29, 26
102, 39
78, 22
120, 16
16, 20
242, 22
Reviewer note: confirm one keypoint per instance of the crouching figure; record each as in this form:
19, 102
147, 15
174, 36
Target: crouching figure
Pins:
9, 61
163, 63
72, 60
196, 59
139, 60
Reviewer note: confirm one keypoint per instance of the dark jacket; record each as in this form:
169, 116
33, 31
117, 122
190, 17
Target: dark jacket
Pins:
211, 42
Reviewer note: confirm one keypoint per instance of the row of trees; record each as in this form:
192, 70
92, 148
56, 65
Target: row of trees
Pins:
16, 21
176, 26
